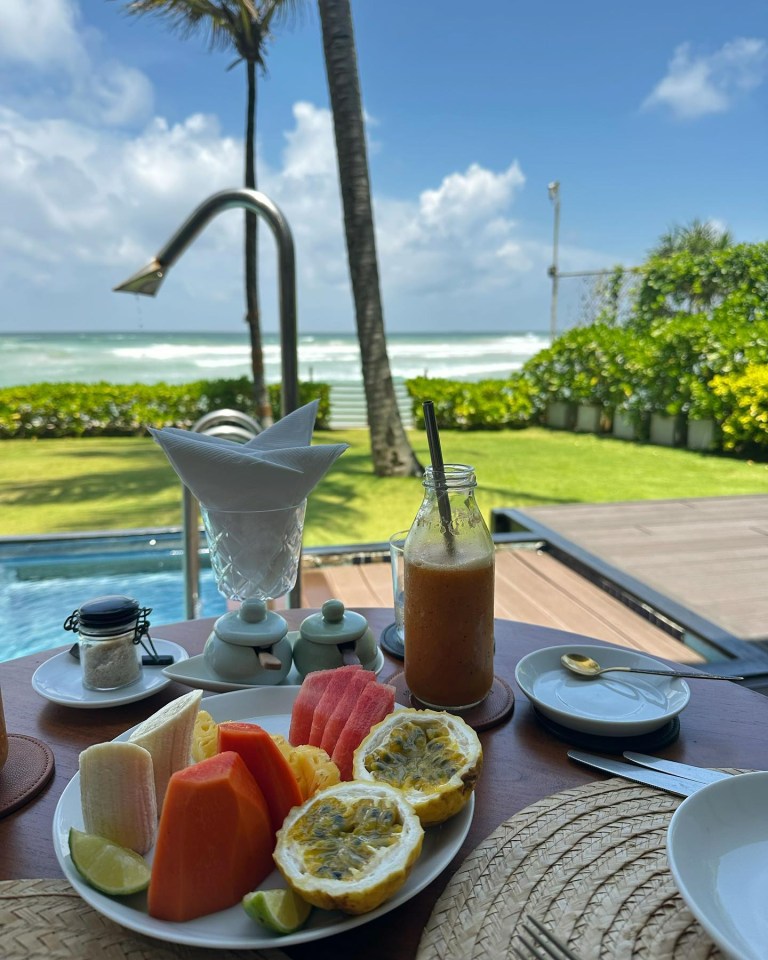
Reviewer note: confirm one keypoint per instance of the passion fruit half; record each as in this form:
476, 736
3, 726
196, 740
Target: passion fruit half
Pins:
434, 758
349, 847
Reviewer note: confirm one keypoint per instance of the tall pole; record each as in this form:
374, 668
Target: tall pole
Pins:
554, 196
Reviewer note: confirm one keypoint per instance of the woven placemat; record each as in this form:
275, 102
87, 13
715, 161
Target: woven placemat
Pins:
28, 768
496, 708
591, 864
47, 920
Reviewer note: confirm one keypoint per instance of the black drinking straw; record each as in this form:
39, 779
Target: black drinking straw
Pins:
438, 470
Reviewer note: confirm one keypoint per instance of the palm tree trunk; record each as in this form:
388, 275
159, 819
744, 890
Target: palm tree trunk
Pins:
252, 316
391, 451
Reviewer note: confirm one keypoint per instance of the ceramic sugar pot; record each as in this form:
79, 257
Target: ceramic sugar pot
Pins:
335, 637
249, 645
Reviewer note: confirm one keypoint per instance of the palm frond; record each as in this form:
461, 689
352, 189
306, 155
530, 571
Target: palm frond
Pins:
243, 24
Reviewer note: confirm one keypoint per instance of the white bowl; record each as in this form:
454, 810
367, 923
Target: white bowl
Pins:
613, 705
717, 845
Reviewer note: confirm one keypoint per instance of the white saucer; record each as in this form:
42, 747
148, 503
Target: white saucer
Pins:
60, 680
614, 705
195, 672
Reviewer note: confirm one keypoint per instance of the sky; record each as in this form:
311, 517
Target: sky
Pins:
113, 129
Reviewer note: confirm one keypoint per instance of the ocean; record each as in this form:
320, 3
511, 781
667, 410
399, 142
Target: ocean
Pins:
183, 357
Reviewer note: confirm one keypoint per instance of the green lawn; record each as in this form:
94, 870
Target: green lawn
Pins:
55, 486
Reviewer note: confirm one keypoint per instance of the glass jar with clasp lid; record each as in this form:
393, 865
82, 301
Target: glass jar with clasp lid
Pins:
111, 633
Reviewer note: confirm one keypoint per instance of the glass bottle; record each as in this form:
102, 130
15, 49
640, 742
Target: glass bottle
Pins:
449, 594
3, 735
110, 631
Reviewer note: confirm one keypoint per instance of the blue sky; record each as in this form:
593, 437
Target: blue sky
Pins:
112, 129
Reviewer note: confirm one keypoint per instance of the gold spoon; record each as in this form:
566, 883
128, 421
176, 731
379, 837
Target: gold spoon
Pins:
587, 667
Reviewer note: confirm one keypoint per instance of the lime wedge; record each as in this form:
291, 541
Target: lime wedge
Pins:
279, 910
106, 866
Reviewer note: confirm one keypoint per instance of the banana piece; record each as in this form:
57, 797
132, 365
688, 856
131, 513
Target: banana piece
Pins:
117, 794
167, 735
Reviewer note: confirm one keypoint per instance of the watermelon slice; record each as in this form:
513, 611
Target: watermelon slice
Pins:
304, 706
343, 708
307, 700
327, 702
376, 701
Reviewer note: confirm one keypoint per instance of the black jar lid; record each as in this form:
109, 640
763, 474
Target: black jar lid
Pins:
109, 611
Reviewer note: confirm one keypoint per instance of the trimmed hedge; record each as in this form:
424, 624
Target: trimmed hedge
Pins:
104, 409
480, 405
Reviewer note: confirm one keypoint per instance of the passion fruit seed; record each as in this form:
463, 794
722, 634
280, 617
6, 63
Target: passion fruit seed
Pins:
416, 754
341, 839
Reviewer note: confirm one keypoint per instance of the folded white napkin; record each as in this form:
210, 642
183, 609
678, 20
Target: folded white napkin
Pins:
277, 468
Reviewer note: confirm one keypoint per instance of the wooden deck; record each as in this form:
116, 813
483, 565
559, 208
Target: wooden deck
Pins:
703, 562
531, 586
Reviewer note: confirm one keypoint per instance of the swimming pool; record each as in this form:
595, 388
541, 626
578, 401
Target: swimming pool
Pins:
43, 580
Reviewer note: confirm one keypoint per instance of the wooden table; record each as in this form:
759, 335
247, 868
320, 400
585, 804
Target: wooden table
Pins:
723, 725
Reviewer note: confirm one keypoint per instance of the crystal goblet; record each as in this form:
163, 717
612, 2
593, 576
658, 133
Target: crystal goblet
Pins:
255, 554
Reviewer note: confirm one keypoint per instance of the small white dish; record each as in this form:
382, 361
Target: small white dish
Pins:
60, 680
613, 705
195, 672
717, 846
233, 929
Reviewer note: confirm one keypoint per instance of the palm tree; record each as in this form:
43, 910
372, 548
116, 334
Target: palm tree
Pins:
390, 448
697, 238
244, 25
703, 240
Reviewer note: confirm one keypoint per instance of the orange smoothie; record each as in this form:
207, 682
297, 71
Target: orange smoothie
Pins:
449, 632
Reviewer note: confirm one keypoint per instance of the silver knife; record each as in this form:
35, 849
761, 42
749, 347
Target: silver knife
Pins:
653, 778
701, 774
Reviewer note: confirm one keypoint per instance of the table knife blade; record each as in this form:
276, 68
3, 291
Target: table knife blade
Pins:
701, 774
653, 778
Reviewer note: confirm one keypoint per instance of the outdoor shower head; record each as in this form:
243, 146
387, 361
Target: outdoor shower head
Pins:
146, 281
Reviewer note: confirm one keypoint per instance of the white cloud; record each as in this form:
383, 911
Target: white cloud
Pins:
310, 150
699, 85
469, 197
457, 237
88, 194
59, 61
42, 37
87, 205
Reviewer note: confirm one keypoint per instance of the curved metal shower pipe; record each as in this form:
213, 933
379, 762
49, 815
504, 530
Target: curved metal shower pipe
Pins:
147, 280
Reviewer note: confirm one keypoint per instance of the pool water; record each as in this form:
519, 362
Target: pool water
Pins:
43, 581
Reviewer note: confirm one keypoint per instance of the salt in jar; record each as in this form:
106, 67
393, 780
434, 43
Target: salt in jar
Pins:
110, 631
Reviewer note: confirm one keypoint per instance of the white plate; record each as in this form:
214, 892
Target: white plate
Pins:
195, 672
717, 845
60, 680
232, 929
613, 705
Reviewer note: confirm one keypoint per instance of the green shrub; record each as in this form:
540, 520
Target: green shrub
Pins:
742, 410
481, 405
734, 280
686, 351
591, 364
103, 409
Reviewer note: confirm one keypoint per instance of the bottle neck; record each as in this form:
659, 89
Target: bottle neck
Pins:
454, 478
